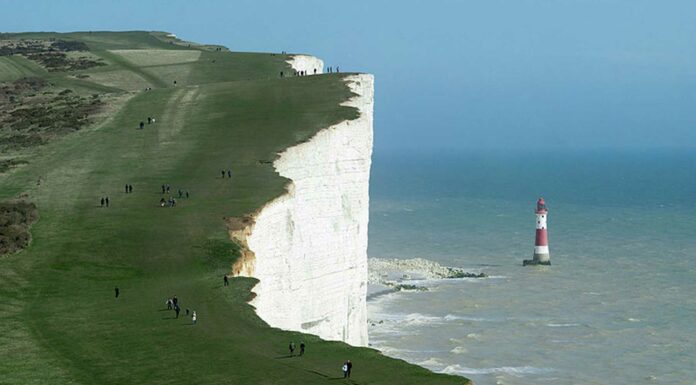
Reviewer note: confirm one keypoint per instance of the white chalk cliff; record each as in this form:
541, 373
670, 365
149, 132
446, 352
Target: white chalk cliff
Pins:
309, 64
308, 247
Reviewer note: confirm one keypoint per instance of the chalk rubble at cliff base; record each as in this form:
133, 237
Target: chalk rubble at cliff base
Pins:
392, 271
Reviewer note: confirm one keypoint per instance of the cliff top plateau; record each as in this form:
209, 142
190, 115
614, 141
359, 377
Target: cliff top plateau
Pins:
93, 127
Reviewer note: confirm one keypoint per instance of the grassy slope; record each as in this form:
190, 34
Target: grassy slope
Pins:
59, 322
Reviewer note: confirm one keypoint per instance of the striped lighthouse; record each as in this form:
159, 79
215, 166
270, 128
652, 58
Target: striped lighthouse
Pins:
541, 244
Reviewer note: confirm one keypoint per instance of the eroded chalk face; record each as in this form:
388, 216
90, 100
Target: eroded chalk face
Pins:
310, 245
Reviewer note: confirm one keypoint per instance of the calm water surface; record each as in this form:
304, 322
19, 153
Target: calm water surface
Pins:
618, 305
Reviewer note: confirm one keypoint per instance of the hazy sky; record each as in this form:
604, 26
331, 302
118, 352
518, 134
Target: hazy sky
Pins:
456, 74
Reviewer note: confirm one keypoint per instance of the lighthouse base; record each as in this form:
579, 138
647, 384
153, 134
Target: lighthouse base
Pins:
539, 259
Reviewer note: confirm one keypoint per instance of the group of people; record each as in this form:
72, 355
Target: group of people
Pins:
171, 202
304, 73
291, 347
129, 188
173, 304
229, 173
105, 201
150, 120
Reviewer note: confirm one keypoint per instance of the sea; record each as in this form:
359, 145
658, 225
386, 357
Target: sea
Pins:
618, 304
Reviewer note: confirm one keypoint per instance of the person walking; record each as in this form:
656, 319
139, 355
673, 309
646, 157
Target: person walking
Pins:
142, 125
117, 291
107, 201
177, 309
223, 173
169, 304
229, 173
194, 318
292, 348
130, 188
187, 194
345, 370
302, 347
163, 189
349, 364
126, 189
225, 280
102, 202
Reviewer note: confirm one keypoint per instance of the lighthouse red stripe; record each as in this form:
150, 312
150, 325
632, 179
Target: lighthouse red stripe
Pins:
541, 238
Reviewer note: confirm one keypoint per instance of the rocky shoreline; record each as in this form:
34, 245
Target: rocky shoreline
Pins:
388, 275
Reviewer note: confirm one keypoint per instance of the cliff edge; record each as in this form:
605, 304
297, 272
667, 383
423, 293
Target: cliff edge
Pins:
308, 247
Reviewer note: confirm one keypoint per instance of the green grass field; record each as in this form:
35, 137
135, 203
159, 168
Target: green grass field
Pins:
59, 320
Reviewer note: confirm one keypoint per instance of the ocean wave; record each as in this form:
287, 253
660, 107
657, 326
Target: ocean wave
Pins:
459, 350
513, 370
432, 362
567, 325
418, 319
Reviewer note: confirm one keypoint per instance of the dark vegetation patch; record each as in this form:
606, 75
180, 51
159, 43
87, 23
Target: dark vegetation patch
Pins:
32, 112
15, 219
7, 164
51, 54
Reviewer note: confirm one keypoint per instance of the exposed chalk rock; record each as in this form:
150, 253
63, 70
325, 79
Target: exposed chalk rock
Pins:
307, 63
308, 247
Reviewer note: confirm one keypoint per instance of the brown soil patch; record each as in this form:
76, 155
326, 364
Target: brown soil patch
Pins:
15, 219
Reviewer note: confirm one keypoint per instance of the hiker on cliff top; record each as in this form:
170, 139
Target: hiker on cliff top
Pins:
177, 309
163, 189
130, 188
345, 370
102, 202
117, 291
223, 173
149, 120
225, 280
302, 347
142, 125
169, 304
292, 348
229, 173
107, 201
162, 202
194, 318
126, 189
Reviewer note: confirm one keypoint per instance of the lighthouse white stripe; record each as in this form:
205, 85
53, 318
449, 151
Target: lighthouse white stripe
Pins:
541, 249
541, 221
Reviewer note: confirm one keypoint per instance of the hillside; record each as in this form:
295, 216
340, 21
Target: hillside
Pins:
70, 112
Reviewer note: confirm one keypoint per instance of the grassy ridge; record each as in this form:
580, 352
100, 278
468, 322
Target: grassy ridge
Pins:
59, 320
